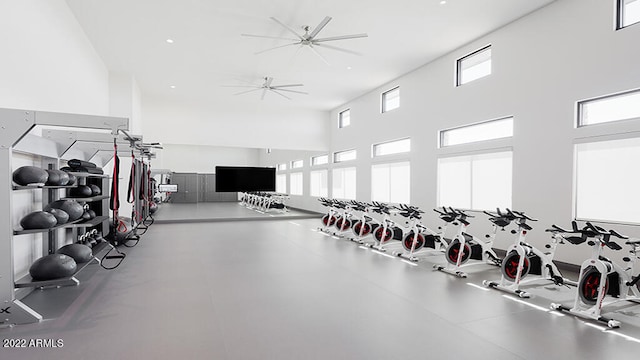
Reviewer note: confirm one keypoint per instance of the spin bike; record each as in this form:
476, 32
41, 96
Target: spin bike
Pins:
464, 246
386, 230
330, 218
427, 239
365, 225
524, 259
600, 276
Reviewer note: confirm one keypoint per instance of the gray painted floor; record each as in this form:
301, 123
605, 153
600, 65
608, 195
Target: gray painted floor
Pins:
170, 213
278, 290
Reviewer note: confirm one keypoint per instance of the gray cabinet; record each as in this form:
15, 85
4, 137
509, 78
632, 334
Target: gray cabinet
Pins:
194, 187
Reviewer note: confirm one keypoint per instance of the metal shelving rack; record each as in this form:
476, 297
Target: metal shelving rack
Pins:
16, 128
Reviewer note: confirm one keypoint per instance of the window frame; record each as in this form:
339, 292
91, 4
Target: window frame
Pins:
579, 123
313, 158
311, 188
342, 168
459, 61
296, 173
383, 100
341, 124
281, 167
296, 164
441, 133
338, 153
389, 163
620, 13
374, 146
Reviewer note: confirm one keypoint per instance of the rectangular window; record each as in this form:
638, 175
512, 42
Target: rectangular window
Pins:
623, 106
391, 147
487, 130
607, 181
295, 183
296, 164
473, 66
319, 183
346, 155
391, 182
344, 183
478, 182
628, 12
319, 160
344, 118
282, 167
281, 183
391, 99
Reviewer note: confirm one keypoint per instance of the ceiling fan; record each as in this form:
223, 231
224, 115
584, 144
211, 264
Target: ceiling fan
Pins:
266, 86
309, 39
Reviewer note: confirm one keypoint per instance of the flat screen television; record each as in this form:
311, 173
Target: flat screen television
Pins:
243, 178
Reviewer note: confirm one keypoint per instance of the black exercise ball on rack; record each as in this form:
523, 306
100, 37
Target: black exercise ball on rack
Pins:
86, 216
38, 220
26, 175
61, 216
72, 179
78, 252
92, 214
57, 178
153, 207
73, 208
95, 190
51, 267
80, 191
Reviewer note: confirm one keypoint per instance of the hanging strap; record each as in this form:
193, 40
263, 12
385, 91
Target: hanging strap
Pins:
114, 201
132, 180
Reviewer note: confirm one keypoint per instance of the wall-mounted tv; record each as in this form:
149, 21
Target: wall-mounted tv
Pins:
242, 178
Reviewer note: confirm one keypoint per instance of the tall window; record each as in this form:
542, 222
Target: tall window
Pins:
319, 160
281, 183
628, 12
344, 118
319, 183
622, 106
473, 66
391, 99
607, 181
391, 147
346, 155
391, 182
478, 182
344, 183
487, 130
295, 183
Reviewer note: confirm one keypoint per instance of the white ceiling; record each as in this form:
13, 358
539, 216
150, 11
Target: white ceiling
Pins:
208, 51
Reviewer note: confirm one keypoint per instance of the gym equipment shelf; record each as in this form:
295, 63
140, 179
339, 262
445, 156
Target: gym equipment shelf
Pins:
63, 136
87, 199
35, 231
27, 282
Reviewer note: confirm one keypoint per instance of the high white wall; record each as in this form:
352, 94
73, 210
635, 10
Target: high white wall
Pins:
125, 100
542, 64
47, 62
253, 127
203, 159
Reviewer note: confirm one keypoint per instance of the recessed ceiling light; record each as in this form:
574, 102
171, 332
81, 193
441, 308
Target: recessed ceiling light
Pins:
349, 68
172, 86
443, 2
170, 41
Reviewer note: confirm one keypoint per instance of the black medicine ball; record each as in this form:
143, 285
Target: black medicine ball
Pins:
78, 252
95, 190
61, 216
26, 175
51, 267
71, 207
81, 191
38, 220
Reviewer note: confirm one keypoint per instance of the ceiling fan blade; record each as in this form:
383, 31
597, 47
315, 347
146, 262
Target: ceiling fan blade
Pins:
287, 27
288, 85
273, 48
343, 37
267, 82
264, 91
268, 37
248, 91
284, 96
339, 49
318, 54
320, 26
293, 91
251, 86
